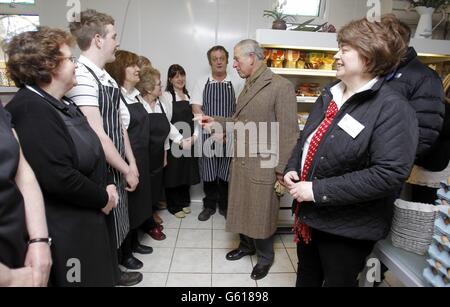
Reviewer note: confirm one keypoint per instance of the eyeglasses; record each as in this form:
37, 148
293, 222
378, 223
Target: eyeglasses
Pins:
72, 59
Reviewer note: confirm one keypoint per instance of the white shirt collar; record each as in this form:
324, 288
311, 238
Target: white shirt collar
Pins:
130, 96
40, 94
212, 80
101, 73
338, 90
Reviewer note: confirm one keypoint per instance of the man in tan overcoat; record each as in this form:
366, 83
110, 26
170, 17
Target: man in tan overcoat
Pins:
266, 113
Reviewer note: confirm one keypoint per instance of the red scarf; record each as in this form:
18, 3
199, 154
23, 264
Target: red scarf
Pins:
301, 230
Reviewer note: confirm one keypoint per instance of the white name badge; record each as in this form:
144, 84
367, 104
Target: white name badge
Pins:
351, 126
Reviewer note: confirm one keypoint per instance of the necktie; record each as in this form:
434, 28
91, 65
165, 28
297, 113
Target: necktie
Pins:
300, 228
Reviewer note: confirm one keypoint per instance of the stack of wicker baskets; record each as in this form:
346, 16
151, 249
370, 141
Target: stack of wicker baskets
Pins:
438, 273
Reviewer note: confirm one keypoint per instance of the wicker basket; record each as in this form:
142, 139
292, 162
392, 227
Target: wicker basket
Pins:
413, 226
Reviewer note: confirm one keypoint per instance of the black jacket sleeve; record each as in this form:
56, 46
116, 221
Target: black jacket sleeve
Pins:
428, 102
390, 163
47, 145
438, 157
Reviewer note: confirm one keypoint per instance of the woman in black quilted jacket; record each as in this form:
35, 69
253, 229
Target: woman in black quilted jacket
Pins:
352, 158
425, 179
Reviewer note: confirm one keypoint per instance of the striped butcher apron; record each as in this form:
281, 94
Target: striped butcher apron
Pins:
109, 105
219, 99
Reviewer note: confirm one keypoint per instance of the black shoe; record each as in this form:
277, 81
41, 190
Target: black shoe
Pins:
142, 249
132, 263
206, 214
260, 271
223, 213
128, 279
238, 254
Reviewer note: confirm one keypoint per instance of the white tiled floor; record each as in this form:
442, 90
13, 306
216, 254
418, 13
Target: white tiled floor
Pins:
193, 255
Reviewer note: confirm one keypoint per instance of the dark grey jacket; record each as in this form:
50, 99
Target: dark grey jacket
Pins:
422, 87
355, 180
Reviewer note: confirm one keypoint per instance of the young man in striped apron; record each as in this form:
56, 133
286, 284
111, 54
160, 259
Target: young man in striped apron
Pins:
215, 95
97, 95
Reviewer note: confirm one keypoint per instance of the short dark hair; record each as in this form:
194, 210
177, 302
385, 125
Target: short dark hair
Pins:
91, 23
123, 60
35, 55
218, 48
379, 48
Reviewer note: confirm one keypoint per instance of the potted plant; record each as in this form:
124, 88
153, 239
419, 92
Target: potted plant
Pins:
426, 8
279, 18
436, 4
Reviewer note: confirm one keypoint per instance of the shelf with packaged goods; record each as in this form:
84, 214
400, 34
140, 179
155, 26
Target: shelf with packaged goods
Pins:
304, 72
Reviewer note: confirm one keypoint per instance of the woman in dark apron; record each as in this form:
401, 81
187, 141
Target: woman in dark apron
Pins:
13, 232
181, 172
135, 119
70, 166
159, 127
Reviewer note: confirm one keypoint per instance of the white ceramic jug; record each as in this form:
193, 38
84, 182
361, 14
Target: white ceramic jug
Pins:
425, 26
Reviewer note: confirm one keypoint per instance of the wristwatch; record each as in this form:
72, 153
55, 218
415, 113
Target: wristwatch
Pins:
41, 240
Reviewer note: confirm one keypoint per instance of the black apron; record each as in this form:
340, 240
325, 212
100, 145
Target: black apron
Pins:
13, 234
81, 233
109, 106
219, 99
139, 201
182, 170
159, 130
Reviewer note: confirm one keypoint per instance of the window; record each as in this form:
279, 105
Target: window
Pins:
312, 8
17, 1
11, 25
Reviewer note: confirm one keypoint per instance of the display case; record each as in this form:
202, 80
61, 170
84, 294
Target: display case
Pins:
304, 58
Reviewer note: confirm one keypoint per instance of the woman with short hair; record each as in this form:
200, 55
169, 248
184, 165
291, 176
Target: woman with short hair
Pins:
125, 71
66, 156
351, 160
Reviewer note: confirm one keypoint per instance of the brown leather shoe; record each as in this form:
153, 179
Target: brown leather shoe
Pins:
157, 218
128, 279
157, 234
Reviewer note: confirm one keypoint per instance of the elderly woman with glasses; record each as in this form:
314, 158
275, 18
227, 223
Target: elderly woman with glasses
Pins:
66, 156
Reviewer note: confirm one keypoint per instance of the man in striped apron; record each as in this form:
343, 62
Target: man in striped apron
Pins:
97, 95
215, 95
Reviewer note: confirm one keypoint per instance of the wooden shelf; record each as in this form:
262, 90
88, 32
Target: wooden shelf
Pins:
304, 72
301, 99
291, 40
8, 90
319, 41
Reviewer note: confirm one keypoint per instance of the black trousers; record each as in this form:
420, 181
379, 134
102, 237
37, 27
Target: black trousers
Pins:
156, 183
126, 249
178, 198
216, 192
423, 194
331, 261
263, 247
